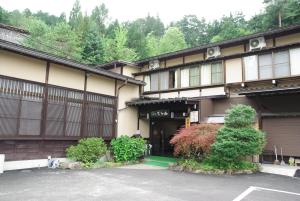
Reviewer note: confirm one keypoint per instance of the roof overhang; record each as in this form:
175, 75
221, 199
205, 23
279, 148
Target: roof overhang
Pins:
19, 49
183, 100
274, 91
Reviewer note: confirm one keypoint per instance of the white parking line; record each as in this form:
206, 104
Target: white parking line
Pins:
244, 194
253, 188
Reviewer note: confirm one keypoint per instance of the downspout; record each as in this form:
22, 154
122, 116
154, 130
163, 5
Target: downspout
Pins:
117, 105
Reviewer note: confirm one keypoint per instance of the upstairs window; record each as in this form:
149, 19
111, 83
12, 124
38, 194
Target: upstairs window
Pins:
172, 79
281, 64
206, 74
265, 66
251, 68
147, 81
154, 81
164, 80
217, 76
184, 77
194, 76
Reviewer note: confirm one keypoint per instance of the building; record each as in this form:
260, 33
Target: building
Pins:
261, 70
49, 102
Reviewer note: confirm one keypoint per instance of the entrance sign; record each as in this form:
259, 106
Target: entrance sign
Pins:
194, 116
187, 122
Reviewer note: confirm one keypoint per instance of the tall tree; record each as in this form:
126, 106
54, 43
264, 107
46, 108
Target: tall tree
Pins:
172, 40
194, 30
115, 48
4, 17
152, 45
75, 15
100, 15
231, 26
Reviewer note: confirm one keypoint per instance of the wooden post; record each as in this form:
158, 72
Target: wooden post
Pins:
45, 103
82, 127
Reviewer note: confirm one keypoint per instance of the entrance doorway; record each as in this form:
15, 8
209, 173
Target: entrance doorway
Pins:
162, 132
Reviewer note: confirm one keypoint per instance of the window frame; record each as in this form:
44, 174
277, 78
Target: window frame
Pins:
195, 76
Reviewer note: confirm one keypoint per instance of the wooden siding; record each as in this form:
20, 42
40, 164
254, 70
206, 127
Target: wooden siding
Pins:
30, 110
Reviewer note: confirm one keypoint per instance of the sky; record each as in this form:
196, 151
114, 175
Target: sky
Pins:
128, 10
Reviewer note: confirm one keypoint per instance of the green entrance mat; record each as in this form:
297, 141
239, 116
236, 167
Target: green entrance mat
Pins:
159, 161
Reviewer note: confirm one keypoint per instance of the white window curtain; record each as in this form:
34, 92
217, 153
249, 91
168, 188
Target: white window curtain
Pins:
154, 82
281, 64
251, 65
195, 76
184, 78
265, 66
176, 78
217, 76
205, 74
295, 61
164, 80
147, 81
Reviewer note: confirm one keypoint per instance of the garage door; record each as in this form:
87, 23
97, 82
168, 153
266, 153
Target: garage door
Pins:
283, 132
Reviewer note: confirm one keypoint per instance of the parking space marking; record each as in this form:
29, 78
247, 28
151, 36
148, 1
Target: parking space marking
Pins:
253, 188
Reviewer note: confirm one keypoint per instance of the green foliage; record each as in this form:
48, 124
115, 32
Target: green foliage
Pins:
240, 116
125, 148
194, 30
207, 165
75, 15
237, 139
115, 48
231, 27
87, 150
172, 40
92, 39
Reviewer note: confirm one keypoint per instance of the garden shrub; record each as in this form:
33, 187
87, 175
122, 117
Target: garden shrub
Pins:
195, 141
87, 150
237, 139
126, 149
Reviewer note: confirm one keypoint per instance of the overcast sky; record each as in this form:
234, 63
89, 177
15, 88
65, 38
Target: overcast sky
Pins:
123, 10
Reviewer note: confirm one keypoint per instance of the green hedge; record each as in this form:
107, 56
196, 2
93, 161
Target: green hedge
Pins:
126, 149
87, 150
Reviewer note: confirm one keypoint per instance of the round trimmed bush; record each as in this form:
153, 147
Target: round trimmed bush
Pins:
237, 139
87, 150
126, 149
240, 116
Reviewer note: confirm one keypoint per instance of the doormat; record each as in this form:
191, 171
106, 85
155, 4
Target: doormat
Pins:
159, 161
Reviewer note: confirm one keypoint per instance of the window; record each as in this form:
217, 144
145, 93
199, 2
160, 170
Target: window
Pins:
147, 81
172, 79
295, 61
217, 73
265, 66
184, 78
206, 74
251, 68
194, 76
154, 81
164, 80
281, 64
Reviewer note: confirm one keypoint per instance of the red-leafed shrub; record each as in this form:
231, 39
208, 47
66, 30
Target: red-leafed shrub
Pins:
195, 141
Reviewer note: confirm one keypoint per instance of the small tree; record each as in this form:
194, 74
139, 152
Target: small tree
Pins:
194, 142
237, 139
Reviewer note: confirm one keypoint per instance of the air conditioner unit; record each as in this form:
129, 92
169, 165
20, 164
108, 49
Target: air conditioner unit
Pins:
213, 52
257, 43
153, 64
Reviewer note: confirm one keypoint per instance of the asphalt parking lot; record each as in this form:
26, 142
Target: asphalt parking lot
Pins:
143, 185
